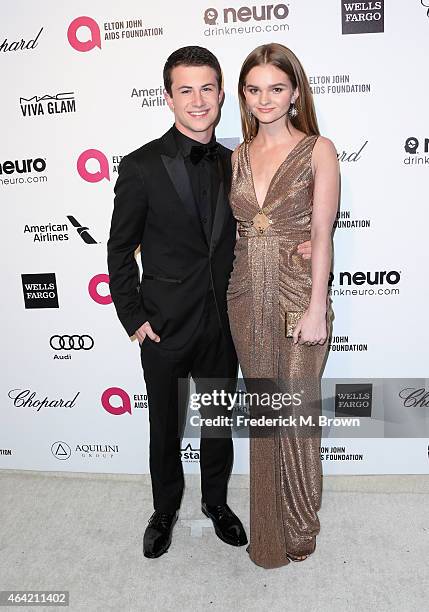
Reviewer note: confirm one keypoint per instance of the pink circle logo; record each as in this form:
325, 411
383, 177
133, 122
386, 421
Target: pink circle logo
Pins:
87, 45
99, 175
125, 405
93, 287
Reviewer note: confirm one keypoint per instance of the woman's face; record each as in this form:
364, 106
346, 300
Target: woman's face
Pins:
269, 93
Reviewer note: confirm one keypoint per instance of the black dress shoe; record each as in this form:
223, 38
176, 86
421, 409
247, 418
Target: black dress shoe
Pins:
157, 537
228, 526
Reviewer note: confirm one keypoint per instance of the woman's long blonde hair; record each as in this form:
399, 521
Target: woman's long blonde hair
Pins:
283, 58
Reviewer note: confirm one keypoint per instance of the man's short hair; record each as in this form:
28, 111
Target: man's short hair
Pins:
191, 56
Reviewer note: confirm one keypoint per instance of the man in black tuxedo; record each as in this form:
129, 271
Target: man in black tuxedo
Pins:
171, 199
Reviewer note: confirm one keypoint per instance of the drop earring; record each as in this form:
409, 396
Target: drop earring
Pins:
293, 111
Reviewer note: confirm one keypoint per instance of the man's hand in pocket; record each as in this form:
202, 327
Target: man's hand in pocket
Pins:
146, 330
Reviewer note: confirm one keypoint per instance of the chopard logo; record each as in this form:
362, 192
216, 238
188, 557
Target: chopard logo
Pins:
20, 45
414, 398
24, 398
69, 343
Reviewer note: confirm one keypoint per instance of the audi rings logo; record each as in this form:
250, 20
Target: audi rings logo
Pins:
71, 343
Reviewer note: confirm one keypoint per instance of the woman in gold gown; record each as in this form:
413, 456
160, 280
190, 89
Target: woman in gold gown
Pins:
284, 192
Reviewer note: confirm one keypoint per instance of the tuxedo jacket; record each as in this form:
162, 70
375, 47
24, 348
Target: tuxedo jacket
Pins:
155, 209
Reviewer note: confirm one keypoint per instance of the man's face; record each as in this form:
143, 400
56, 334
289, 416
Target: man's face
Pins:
195, 98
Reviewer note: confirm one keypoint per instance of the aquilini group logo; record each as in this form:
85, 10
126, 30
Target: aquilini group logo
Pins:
20, 45
101, 297
93, 450
362, 17
116, 401
40, 290
47, 104
369, 283
23, 171
228, 21
61, 450
123, 29
416, 150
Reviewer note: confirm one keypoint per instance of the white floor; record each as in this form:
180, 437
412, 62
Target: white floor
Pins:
83, 533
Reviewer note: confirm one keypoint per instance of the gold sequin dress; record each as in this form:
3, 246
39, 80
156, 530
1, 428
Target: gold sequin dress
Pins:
270, 279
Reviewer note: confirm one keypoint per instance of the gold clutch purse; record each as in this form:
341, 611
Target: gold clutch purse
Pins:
291, 320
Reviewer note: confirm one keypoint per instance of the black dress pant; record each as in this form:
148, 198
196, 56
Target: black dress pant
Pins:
206, 356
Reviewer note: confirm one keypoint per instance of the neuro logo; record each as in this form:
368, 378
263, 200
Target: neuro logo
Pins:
210, 16
117, 392
93, 289
99, 175
266, 12
89, 44
61, 450
411, 145
81, 230
415, 157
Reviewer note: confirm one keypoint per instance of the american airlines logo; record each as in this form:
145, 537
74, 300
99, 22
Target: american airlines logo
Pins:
82, 230
48, 104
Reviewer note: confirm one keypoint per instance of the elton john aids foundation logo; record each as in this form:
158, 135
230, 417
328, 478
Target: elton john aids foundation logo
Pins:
124, 401
102, 170
94, 289
90, 43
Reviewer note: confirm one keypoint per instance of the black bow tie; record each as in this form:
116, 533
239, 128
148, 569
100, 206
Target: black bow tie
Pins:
198, 152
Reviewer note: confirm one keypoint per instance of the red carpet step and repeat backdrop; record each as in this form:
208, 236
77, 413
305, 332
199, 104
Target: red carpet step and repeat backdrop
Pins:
81, 87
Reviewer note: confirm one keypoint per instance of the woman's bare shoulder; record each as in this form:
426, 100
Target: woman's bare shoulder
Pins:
324, 151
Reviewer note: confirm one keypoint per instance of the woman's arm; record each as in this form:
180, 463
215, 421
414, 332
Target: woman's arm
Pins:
325, 206
312, 326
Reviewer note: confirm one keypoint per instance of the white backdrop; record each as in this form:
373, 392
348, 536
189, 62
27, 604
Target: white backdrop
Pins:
74, 105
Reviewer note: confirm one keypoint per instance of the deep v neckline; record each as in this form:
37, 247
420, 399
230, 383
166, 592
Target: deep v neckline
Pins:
275, 173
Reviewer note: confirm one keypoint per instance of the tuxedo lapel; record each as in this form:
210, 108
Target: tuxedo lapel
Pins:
222, 204
176, 169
